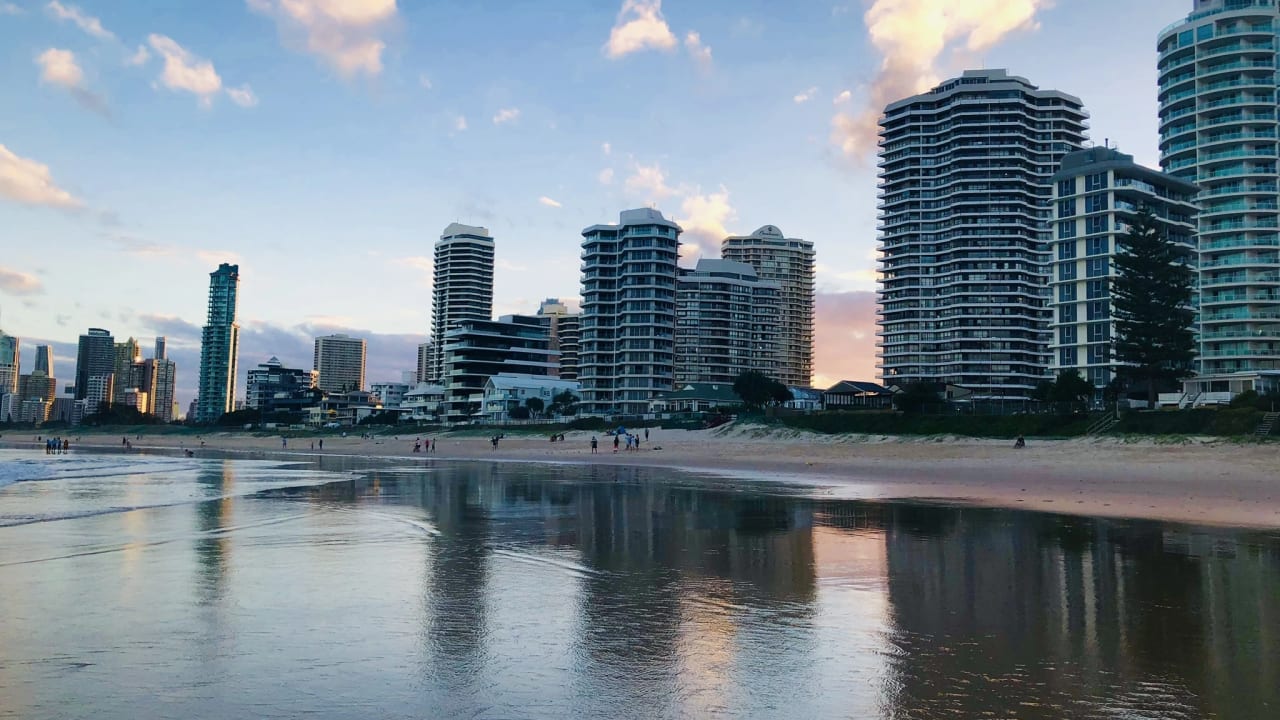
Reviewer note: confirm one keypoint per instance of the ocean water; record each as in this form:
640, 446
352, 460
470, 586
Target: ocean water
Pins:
136, 586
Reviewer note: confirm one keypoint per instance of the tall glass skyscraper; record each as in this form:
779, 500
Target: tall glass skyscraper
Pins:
219, 346
461, 289
1218, 128
964, 207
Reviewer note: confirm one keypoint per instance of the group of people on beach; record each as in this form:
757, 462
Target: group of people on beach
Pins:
56, 446
420, 443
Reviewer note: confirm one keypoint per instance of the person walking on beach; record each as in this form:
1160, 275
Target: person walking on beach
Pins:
433, 446
615, 442
284, 442
594, 444
646, 433
322, 443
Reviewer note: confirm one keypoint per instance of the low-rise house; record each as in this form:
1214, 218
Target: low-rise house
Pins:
424, 403
695, 397
505, 392
856, 395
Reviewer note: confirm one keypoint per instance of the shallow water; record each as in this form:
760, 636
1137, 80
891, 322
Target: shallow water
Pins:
178, 588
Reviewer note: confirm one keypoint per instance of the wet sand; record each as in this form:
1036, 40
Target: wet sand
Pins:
1219, 483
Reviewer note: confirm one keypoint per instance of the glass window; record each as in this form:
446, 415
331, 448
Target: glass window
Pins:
1098, 289
1066, 229
1097, 181
1067, 271
1066, 293
1095, 224
1099, 354
1066, 208
1204, 32
1067, 335
1099, 310
1184, 38
1099, 332
1066, 250
1098, 245
1096, 203
1067, 313
1066, 187
1067, 357
1097, 267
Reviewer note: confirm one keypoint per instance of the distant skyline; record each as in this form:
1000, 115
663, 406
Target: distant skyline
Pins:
324, 145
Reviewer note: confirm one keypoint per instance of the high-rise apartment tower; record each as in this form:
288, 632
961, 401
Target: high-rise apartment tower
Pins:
219, 346
462, 285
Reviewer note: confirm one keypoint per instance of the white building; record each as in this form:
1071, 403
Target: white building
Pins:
339, 360
462, 286
390, 394
565, 329
1095, 194
964, 197
789, 262
506, 391
1218, 129
10, 362
727, 322
627, 350
425, 402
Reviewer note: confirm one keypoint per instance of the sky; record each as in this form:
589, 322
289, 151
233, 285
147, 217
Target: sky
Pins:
323, 145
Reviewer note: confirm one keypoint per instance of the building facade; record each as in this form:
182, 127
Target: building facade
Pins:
424, 363
1218, 129
627, 346
390, 394
340, 362
44, 360
505, 392
10, 363
95, 357
462, 286
162, 379
219, 346
964, 196
476, 350
271, 386
565, 328
127, 369
726, 323
1096, 194
789, 262
36, 392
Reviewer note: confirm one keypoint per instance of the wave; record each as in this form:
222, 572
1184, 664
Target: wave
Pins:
23, 467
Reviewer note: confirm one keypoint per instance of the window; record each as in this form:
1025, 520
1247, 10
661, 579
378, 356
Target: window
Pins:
1066, 251
1097, 267
1066, 187
1099, 354
1066, 357
1067, 335
1097, 245
1067, 271
1067, 313
1099, 310
1184, 38
1204, 32
1099, 376
1066, 208
1066, 229
1095, 224
1097, 181
1066, 293
1095, 203
1099, 332
1098, 289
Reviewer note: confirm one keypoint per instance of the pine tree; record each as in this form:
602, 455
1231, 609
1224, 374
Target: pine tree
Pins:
1151, 303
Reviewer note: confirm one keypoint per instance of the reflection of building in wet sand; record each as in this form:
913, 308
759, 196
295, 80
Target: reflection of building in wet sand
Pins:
1020, 609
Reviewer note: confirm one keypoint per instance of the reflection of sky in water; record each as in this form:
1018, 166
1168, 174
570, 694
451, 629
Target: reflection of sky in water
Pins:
239, 589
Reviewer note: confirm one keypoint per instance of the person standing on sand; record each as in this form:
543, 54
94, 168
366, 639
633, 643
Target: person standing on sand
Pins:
322, 443
615, 442
284, 442
646, 433
594, 444
313, 444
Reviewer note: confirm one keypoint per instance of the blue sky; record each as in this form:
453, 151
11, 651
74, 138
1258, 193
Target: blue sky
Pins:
324, 144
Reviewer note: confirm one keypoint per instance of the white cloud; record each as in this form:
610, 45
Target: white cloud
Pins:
424, 81
606, 148
87, 23
606, 176
243, 96
59, 67
844, 97
460, 123
7, 8
184, 71
703, 218
345, 34
640, 26
506, 115
805, 96
548, 202
139, 57
911, 36
16, 282
699, 52
649, 183
30, 182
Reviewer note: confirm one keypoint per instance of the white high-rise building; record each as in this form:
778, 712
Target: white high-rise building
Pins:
462, 288
1218, 127
565, 329
219, 347
627, 347
1095, 195
10, 363
964, 197
789, 262
339, 361
727, 322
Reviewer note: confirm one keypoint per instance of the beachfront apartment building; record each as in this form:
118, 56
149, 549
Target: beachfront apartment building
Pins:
565, 329
339, 361
95, 357
789, 262
10, 363
1218, 129
161, 376
627, 347
462, 287
475, 350
44, 360
1096, 193
271, 386
964, 256
219, 346
727, 322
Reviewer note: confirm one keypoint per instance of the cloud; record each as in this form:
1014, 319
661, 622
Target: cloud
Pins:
844, 337
7, 8
911, 36
606, 176
424, 81
460, 123
87, 23
30, 182
703, 218
804, 97
544, 200
19, 283
137, 246
649, 183
345, 34
640, 26
59, 67
506, 115
699, 52
139, 57
184, 71
243, 96
844, 97
606, 148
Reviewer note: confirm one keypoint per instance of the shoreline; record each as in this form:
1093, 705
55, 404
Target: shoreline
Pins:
1207, 483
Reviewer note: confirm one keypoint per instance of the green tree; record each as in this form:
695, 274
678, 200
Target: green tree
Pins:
564, 403
519, 412
1151, 301
914, 397
535, 406
757, 389
1070, 387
